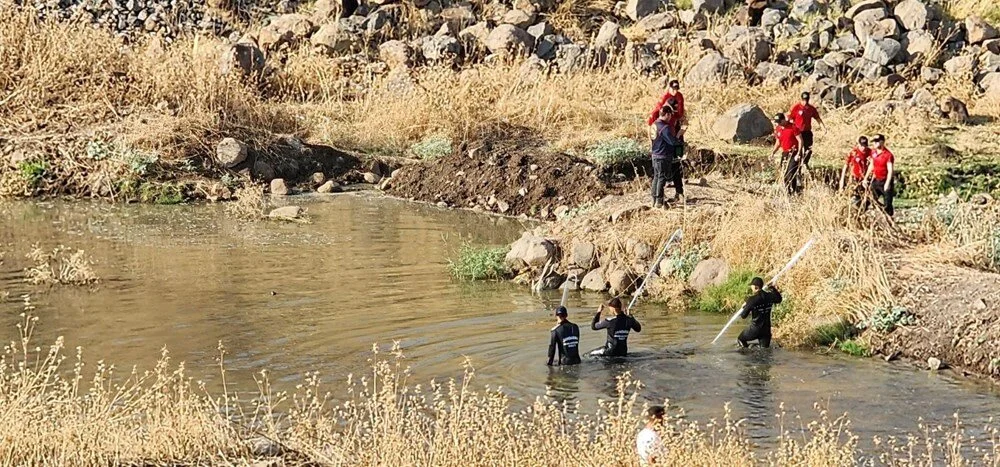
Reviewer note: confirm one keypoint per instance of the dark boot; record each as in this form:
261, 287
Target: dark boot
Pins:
657, 203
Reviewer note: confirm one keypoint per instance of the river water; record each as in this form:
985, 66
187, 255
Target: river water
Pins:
296, 298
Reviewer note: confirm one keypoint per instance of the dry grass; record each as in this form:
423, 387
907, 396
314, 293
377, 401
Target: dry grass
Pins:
61, 266
250, 202
57, 411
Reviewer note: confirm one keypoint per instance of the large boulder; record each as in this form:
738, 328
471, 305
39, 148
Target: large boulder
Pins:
230, 152
866, 21
396, 54
915, 15
290, 29
882, 51
977, 30
338, 38
529, 251
742, 124
622, 282
774, 73
639, 9
990, 84
746, 46
712, 271
960, 65
509, 39
244, 58
594, 281
712, 68
609, 38
584, 255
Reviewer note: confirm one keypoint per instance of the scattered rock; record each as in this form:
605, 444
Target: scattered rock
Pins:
960, 65
317, 178
774, 73
742, 124
882, 51
934, 364
708, 6
286, 212
865, 23
640, 250
915, 15
746, 46
264, 447
920, 44
584, 255
441, 49
639, 9
594, 281
529, 251
657, 22
931, 75
520, 18
290, 30
622, 282
977, 30
609, 38
278, 187
337, 38
509, 39
712, 271
712, 68
396, 54
230, 152
990, 84
862, 6
243, 57
329, 187
979, 304
371, 178
262, 171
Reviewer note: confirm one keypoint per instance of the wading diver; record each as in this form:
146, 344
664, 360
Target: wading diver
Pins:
618, 327
566, 339
758, 308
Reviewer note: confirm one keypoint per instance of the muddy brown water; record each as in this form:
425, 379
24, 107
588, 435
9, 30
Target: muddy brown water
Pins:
373, 270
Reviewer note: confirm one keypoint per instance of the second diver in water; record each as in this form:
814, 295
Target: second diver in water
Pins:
758, 308
565, 339
618, 327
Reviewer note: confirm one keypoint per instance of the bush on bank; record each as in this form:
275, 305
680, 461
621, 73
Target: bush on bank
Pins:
726, 297
479, 263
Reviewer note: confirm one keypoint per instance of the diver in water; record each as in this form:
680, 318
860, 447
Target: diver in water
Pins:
565, 338
758, 308
618, 327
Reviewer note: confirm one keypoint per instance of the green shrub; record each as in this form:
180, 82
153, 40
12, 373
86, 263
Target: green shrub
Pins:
783, 310
161, 193
682, 262
432, 147
138, 162
726, 297
479, 263
616, 151
854, 348
885, 320
32, 171
684, 4
830, 334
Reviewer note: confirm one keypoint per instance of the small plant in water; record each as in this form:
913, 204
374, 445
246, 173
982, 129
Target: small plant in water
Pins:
616, 151
61, 266
479, 263
432, 147
886, 319
854, 348
32, 171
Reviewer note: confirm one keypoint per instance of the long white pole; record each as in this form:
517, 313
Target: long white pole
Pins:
795, 259
677, 235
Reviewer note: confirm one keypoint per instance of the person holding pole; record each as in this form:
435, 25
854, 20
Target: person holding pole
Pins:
758, 308
566, 339
618, 327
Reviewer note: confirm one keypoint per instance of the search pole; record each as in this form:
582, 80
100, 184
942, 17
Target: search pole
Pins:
795, 259
676, 236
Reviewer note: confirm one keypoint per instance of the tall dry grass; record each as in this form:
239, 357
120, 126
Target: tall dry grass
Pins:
58, 410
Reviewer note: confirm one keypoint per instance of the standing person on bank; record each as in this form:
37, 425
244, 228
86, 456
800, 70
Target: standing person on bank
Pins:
618, 327
648, 442
880, 172
566, 339
664, 154
675, 99
857, 164
758, 308
788, 139
802, 114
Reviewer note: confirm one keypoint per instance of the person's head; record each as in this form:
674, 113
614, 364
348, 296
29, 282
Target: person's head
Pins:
561, 313
616, 305
666, 111
780, 119
878, 141
674, 86
863, 141
805, 97
655, 414
756, 284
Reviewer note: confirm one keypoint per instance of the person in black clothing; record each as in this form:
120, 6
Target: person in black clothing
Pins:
565, 338
758, 308
664, 153
618, 328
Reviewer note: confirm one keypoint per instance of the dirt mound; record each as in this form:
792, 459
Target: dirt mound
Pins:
537, 184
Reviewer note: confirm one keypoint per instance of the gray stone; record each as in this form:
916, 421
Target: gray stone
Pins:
378, 22
244, 58
711, 68
934, 364
540, 30
639, 9
529, 251
960, 65
570, 57
847, 42
924, 100
866, 21
742, 124
594, 281
802, 9
329, 187
609, 38
459, 17
509, 39
477, 34
584, 255
712, 271
920, 44
774, 73
371, 178
653, 23
915, 15
977, 30
278, 187
838, 95
746, 46
693, 19
230, 152
862, 6
882, 51
545, 47
441, 49
990, 84
887, 28
639, 250
621, 282
989, 62
288, 30
931, 75
396, 54
337, 38
261, 446
708, 6
519, 18
771, 18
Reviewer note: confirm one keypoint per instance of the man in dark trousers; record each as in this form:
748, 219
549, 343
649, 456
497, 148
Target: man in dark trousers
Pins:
856, 164
566, 339
788, 139
802, 114
618, 327
881, 172
758, 308
664, 154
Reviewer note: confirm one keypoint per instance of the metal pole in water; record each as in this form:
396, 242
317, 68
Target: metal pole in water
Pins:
795, 259
677, 235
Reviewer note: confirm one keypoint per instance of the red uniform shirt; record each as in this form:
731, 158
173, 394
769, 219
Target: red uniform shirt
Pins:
803, 116
678, 111
880, 163
786, 135
857, 160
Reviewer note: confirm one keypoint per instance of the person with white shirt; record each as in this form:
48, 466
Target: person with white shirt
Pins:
648, 442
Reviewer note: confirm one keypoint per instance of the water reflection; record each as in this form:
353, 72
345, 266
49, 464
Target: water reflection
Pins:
754, 383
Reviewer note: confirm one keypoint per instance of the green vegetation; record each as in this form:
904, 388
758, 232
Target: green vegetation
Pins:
682, 262
32, 171
479, 263
136, 162
966, 179
684, 4
161, 193
830, 334
886, 319
432, 147
783, 310
616, 151
854, 348
725, 297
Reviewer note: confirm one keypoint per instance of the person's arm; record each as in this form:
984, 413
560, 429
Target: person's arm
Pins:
820, 120
635, 325
775, 294
868, 173
777, 146
749, 305
798, 137
888, 178
597, 324
656, 110
553, 342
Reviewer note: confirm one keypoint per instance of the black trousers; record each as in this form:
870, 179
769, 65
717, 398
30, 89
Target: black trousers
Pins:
879, 190
762, 336
858, 198
660, 168
755, 14
677, 176
807, 146
793, 173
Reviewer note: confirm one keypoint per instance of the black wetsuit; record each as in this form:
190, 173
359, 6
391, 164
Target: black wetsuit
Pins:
758, 308
566, 338
618, 328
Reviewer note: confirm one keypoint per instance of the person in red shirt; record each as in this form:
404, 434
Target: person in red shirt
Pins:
857, 164
676, 100
788, 139
881, 171
803, 113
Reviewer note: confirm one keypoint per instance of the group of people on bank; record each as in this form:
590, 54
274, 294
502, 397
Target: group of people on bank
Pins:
870, 167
